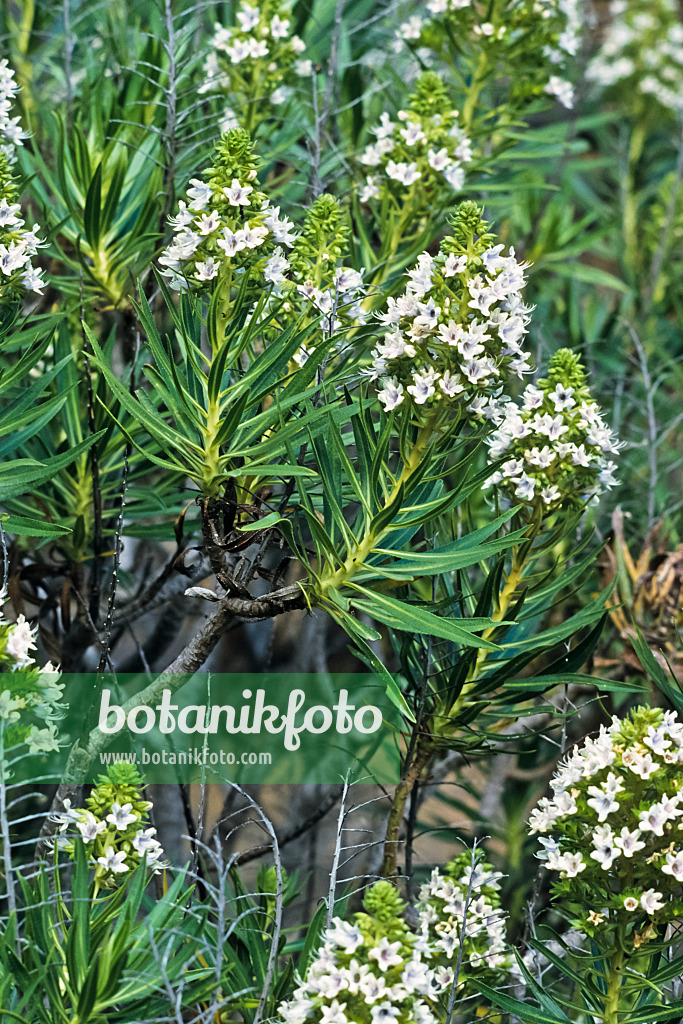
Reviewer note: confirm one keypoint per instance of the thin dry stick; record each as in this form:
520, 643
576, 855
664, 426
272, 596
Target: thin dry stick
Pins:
337, 851
651, 424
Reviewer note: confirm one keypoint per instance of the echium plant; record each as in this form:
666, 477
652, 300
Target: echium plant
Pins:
416, 164
515, 50
223, 235
114, 827
11, 133
464, 898
17, 245
640, 62
556, 443
613, 832
455, 336
30, 697
255, 64
313, 285
368, 971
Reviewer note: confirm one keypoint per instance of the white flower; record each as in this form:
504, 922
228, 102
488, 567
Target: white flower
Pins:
90, 827
276, 267
248, 17
121, 817
279, 27
571, 864
208, 270
386, 954
113, 861
406, 173
631, 904
629, 842
674, 865
455, 176
42, 741
346, 935
9, 706
391, 395
200, 194
238, 195
385, 1013
650, 901
601, 802
21, 637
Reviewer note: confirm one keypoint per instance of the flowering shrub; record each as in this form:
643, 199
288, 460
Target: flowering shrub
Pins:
223, 234
368, 971
17, 245
612, 827
30, 697
555, 444
313, 285
255, 64
419, 159
545, 35
455, 335
114, 826
641, 58
443, 906
11, 133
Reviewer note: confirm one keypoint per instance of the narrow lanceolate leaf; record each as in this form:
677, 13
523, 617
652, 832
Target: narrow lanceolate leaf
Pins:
23, 526
413, 619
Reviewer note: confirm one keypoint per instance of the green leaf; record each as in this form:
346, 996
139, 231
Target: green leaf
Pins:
23, 526
413, 619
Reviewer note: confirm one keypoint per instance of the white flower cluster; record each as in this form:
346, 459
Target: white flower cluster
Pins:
642, 53
441, 911
555, 443
226, 228
368, 972
11, 133
17, 244
456, 333
615, 821
549, 32
29, 696
425, 147
114, 827
256, 61
314, 282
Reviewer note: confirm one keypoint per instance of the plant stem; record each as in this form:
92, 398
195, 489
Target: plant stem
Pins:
415, 768
614, 979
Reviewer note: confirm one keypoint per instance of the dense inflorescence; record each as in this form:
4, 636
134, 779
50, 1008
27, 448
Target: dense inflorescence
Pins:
555, 443
463, 893
226, 229
613, 827
642, 54
455, 335
313, 284
368, 971
420, 156
255, 63
17, 244
546, 35
114, 827
11, 133
30, 697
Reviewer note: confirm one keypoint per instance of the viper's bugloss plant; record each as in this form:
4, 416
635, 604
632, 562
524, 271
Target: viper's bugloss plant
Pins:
455, 335
555, 443
368, 970
640, 62
255, 64
113, 826
460, 919
612, 828
30, 697
546, 34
